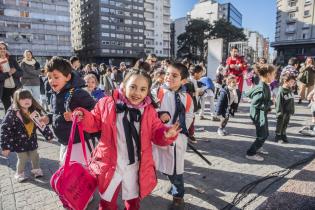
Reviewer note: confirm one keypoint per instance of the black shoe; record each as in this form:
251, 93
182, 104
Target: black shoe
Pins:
278, 138
300, 101
178, 204
285, 139
192, 139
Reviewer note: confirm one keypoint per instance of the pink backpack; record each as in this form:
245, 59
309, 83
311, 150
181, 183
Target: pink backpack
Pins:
73, 182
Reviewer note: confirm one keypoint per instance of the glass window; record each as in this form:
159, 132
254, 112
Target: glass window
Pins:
306, 13
10, 2
24, 3
24, 14
25, 25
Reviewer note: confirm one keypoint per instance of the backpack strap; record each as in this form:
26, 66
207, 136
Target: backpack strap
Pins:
160, 96
188, 102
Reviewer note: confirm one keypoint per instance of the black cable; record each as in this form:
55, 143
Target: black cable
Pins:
245, 191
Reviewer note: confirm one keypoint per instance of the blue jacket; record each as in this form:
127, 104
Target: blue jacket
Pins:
97, 94
206, 81
14, 136
223, 102
80, 98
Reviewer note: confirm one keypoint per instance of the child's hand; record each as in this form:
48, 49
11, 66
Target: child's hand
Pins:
79, 114
67, 116
5, 153
173, 131
44, 120
165, 118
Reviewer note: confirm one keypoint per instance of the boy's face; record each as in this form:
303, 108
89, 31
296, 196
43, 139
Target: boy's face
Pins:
76, 64
57, 80
173, 78
232, 83
291, 83
234, 52
198, 75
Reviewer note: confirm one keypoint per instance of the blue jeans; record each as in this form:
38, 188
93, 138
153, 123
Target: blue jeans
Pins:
177, 189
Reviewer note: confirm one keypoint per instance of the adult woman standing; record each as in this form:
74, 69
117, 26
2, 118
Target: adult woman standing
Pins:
306, 78
31, 70
10, 74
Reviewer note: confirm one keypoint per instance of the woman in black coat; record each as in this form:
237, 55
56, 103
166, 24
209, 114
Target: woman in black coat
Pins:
10, 76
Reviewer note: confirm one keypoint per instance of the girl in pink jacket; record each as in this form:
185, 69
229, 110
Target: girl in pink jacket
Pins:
129, 124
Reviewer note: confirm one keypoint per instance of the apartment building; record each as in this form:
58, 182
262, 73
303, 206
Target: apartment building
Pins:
295, 29
107, 30
157, 27
40, 26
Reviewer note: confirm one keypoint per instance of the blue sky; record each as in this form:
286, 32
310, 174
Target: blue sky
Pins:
258, 15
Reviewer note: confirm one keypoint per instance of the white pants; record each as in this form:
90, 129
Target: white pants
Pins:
34, 90
204, 98
76, 153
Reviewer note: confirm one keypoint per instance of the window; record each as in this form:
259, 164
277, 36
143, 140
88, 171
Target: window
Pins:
25, 25
12, 24
24, 3
10, 2
24, 14
1, 12
105, 34
292, 3
306, 13
291, 15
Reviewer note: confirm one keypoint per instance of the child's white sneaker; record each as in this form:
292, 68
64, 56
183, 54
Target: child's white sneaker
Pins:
20, 177
255, 157
220, 132
263, 151
37, 172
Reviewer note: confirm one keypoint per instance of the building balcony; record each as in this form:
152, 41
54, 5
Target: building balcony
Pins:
293, 9
291, 20
290, 31
279, 42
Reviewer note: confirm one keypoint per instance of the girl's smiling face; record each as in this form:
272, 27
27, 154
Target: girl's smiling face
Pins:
136, 89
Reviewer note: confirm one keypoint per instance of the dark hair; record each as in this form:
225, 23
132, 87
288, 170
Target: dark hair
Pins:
263, 69
286, 77
184, 73
140, 64
59, 64
151, 56
196, 69
141, 72
233, 48
292, 61
24, 94
74, 59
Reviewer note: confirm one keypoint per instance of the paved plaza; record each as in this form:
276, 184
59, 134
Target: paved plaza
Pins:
207, 187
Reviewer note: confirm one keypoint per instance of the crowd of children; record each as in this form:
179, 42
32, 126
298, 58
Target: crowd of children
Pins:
142, 117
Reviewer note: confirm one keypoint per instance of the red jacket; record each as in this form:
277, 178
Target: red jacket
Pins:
103, 118
238, 61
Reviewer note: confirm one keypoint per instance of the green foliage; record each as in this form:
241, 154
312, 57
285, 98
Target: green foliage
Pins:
193, 43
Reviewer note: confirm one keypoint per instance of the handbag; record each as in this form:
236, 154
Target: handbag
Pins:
73, 182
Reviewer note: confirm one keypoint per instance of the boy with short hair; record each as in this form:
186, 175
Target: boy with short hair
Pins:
284, 106
227, 103
67, 96
178, 104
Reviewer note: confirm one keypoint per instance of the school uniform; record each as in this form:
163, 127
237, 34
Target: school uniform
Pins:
260, 106
123, 158
170, 159
284, 110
